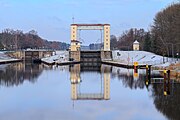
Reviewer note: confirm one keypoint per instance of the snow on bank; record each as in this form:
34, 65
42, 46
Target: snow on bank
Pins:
5, 58
142, 57
59, 56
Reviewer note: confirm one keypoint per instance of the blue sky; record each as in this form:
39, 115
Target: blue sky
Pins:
52, 18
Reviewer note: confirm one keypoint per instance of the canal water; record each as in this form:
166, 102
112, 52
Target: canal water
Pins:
87, 91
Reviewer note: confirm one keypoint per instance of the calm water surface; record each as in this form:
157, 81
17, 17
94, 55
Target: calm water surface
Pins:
99, 92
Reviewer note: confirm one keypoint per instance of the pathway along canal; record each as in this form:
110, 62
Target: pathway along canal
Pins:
40, 92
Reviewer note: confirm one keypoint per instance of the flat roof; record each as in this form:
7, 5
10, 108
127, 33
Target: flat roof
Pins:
90, 24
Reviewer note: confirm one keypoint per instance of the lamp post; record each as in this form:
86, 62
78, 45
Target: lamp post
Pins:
178, 51
172, 51
177, 54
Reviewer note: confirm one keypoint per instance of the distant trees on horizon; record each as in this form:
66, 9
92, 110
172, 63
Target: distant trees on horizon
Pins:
15, 39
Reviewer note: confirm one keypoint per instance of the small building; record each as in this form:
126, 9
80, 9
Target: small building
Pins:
136, 45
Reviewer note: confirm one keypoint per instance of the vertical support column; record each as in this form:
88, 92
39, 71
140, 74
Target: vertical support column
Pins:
74, 43
106, 37
73, 32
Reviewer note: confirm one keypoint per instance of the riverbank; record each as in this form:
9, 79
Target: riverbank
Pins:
4, 59
9, 61
173, 67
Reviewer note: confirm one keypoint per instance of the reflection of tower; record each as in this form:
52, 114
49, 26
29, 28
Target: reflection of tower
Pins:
106, 85
75, 81
73, 91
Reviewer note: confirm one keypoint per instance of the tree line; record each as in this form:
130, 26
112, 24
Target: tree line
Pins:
162, 38
15, 39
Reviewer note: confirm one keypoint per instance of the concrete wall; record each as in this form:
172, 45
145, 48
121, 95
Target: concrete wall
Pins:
30, 54
17, 54
106, 55
75, 55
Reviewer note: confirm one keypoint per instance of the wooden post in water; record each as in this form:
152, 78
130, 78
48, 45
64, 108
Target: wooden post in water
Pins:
148, 74
135, 69
149, 71
165, 72
168, 84
168, 72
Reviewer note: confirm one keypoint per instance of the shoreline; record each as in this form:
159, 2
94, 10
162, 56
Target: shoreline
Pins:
10, 61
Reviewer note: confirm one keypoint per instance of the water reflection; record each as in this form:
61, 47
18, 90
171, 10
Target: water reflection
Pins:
76, 81
129, 77
123, 94
165, 93
168, 105
17, 73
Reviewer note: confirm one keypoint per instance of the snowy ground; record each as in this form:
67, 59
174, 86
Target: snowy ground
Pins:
59, 56
142, 57
4, 57
124, 57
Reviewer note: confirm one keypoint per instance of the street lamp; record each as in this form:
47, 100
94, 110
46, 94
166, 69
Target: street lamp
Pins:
177, 54
173, 49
